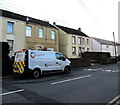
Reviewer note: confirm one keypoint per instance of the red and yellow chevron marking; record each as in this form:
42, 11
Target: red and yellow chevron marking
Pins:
19, 67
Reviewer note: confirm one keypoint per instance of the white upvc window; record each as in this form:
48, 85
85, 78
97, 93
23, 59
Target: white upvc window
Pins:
10, 42
83, 49
40, 32
79, 51
50, 49
88, 49
87, 41
73, 50
79, 40
10, 27
28, 31
39, 47
52, 34
73, 40
83, 40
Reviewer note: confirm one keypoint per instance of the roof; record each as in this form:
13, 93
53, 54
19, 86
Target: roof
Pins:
72, 31
106, 42
118, 44
12, 15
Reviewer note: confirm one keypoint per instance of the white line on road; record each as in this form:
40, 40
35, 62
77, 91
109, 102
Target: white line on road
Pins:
70, 80
12, 92
115, 99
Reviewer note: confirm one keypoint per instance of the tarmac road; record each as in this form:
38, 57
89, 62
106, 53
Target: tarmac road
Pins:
91, 85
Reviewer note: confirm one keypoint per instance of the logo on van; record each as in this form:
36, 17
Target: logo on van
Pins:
32, 55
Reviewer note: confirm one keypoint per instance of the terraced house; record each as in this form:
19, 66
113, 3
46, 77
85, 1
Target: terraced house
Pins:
73, 42
101, 45
27, 32
12, 30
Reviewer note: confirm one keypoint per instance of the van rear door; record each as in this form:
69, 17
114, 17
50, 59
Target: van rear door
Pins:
19, 62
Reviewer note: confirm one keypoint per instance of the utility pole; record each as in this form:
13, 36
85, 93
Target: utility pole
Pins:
114, 44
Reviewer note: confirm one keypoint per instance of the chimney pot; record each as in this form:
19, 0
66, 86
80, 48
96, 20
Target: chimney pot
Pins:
54, 23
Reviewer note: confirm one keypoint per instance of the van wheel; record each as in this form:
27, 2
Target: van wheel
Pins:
36, 74
67, 70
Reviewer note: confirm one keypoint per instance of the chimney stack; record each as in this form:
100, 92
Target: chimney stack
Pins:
79, 29
54, 23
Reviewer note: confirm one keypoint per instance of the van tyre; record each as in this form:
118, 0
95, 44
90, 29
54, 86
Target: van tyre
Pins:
36, 74
67, 70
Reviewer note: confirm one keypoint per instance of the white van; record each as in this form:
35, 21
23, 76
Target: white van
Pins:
38, 62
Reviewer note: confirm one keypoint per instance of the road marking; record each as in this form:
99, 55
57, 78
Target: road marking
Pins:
115, 101
94, 69
12, 92
70, 80
7, 77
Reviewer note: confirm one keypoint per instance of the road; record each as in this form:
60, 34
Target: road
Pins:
94, 84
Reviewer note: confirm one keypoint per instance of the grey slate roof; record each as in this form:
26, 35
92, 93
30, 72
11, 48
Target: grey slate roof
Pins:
118, 44
71, 31
12, 15
106, 42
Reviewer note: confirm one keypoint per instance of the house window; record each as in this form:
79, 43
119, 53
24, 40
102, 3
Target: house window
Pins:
87, 49
83, 49
40, 32
28, 30
39, 48
73, 50
10, 27
79, 51
83, 40
73, 40
87, 41
79, 40
10, 42
50, 49
52, 34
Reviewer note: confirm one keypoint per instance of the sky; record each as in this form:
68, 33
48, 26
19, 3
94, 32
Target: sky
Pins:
97, 18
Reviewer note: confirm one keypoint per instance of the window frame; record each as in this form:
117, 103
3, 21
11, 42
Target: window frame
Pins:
51, 33
10, 47
39, 32
88, 49
39, 46
74, 53
79, 40
83, 40
79, 51
29, 32
10, 28
87, 41
83, 49
73, 40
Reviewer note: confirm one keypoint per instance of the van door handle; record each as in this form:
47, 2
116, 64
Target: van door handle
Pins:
56, 62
